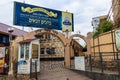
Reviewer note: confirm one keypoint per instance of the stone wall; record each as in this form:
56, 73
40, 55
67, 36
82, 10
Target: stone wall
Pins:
105, 44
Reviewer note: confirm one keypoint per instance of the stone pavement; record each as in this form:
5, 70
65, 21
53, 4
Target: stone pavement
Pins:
61, 74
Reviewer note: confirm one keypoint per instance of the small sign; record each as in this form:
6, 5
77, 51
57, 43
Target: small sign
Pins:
80, 63
117, 39
23, 67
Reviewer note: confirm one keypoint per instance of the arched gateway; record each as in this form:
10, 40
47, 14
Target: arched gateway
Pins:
60, 36
66, 42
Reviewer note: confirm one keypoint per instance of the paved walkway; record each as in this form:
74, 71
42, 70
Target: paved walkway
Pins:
62, 74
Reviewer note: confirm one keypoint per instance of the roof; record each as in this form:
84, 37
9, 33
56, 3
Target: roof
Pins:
27, 41
16, 32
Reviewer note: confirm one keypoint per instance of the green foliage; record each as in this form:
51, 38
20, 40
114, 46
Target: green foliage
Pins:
96, 34
106, 26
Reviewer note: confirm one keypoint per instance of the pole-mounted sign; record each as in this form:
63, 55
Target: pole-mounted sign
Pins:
34, 16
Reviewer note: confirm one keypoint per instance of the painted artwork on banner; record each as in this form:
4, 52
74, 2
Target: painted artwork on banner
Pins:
35, 16
23, 67
2, 52
67, 21
2, 61
2, 56
117, 39
80, 63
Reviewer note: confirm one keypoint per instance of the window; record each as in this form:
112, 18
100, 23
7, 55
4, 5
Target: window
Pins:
53, 51
27, 51
22, 51
42, 51
0, 39
7, 39
47, 36
47, 50
4, 39
35, 51
50, 51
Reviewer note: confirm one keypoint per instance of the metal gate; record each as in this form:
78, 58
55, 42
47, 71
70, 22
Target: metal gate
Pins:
51, 64
51, 53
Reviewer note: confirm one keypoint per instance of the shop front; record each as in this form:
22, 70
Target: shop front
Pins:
28, 56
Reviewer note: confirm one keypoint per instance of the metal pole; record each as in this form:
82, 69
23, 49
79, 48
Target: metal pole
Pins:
100, 55
117, 60
36, 70
30, 68
10, 36
113, 46
90, 63
10, 30
101, 62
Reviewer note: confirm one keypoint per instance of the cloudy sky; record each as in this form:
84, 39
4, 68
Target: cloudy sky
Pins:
83, 10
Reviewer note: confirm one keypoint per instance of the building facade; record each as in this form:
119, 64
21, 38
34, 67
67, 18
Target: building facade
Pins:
5, 34
52, 47
116, 12
97, 22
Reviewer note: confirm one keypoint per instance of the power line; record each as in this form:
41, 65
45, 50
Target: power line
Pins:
110, 10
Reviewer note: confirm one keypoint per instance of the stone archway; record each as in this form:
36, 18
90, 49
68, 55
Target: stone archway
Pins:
78, 35
86, 39
61, 36
64, 40
42, 31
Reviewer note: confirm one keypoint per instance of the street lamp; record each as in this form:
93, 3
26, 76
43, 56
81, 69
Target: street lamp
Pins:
10, 30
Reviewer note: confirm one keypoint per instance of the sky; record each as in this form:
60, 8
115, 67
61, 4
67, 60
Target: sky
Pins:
83, 11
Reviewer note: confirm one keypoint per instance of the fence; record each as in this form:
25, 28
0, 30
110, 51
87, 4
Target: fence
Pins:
104, 55
104, 64
33, 69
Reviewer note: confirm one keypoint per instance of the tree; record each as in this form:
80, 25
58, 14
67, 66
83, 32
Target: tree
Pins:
106, 26
96, 34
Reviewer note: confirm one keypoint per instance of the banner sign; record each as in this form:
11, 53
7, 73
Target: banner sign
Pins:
117, 39
34, 16
80, 63
4, 61
2, 52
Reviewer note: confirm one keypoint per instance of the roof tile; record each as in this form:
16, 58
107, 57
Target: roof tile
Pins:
17, 32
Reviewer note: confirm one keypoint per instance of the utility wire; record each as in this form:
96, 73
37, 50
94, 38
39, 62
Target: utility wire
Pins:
110, 10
